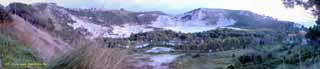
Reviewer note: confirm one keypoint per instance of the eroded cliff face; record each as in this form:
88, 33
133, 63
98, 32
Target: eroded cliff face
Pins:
70, 24
45, 46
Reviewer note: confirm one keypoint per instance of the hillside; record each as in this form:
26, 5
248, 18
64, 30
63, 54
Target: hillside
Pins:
63, 37
95, 23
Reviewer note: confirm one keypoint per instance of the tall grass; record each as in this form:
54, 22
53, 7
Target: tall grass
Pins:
87, 55
15, 56
90, 56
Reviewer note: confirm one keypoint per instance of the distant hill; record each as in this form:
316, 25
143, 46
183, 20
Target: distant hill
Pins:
122, 23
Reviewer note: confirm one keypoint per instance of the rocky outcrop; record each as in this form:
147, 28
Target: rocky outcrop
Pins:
30, 14
235, 18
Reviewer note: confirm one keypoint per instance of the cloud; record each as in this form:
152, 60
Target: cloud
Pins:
272, 8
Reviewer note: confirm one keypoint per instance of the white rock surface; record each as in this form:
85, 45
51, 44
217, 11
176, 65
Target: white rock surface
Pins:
196, 24
95, 30
142, 45
159, 60
159, 50
190, 26
235, 28
126, 30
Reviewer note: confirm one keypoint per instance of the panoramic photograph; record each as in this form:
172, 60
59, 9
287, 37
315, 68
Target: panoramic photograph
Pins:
159, 34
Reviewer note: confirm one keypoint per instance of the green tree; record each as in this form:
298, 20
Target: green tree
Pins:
314, 5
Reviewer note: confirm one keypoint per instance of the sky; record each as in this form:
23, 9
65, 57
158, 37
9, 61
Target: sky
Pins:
272, 8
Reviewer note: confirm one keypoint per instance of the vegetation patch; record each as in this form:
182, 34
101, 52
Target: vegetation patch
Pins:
14, 56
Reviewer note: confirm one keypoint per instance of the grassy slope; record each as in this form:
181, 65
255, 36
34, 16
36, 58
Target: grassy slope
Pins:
15, 56
209, 60
272, 57
88, 55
